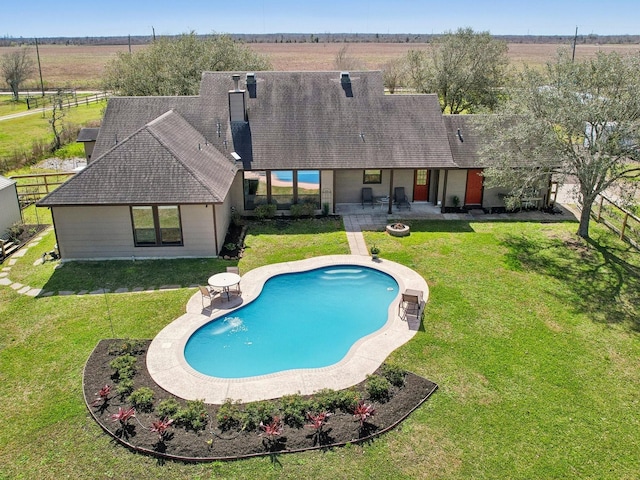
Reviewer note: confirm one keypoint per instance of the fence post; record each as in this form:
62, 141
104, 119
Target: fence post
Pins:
46, 184
624, 225
600, 208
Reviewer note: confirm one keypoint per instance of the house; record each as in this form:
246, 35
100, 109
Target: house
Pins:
9, 205
165, 172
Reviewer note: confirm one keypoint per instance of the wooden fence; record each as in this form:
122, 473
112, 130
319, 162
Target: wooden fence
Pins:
35, 186
67, 99
618, 219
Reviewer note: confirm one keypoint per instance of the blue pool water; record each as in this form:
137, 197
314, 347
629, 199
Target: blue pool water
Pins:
305, 176
300, 320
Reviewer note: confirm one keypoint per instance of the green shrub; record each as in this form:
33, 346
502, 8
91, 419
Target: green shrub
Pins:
377, 388
125, 387
325, 209
394, 374
142, 399
329, 400
168, 408
229, 415
124, 366
257, 412
128, 346
265, 210
293, 409
304, 209
194, 416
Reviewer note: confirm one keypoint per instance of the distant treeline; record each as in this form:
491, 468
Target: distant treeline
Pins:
325, 38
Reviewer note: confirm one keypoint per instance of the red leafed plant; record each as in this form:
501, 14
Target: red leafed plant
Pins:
272, 429
160, 427
103, 396
363, 411
318, 420
124, 415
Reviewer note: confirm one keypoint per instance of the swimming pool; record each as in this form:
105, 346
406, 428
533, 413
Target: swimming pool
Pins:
167, 365
300, 320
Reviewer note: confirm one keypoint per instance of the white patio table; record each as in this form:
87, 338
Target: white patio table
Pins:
224, 280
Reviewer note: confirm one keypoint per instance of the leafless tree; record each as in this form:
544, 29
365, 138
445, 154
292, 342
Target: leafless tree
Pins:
57, 121
344, 61
16, 67
393, 74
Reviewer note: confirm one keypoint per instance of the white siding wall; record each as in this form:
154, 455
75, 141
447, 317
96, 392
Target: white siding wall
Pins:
223, 219
456, 185
107, 233
493, 197
9, 208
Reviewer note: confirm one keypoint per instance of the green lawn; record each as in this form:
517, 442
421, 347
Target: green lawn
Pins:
531, 334
12, 132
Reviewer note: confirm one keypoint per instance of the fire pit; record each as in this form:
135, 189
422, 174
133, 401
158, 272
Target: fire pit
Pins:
398, 229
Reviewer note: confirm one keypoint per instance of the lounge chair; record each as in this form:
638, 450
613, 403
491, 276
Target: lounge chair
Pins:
207, 293
367, 196
235, 270
411, 303
400, 199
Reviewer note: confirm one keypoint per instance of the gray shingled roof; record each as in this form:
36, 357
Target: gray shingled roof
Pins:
465, 146
301, 120
165, 161
88, 135
296, 120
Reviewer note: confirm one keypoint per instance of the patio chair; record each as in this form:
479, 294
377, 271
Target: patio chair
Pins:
367, 196
411, 303
207, 293
235, 270
400, 199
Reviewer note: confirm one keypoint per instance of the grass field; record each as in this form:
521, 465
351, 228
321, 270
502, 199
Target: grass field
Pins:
531, 334
82, 66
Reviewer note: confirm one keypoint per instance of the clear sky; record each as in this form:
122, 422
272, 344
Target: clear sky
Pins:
72, 18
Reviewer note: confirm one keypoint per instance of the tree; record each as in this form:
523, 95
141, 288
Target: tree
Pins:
16, 67
466, 69
344, 61
57, 121
174, 65
573, 119
393, 74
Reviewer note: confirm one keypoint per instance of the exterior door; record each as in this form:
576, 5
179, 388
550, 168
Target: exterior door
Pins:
473, 195
421, 186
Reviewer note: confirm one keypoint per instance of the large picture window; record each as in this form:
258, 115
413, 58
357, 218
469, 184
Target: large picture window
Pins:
156, 225
282, 188
372, 176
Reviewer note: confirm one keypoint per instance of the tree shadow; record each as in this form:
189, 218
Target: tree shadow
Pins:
603, 280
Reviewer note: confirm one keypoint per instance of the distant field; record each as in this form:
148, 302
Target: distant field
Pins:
82, 66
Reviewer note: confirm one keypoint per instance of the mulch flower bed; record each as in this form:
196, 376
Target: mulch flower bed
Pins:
216, 432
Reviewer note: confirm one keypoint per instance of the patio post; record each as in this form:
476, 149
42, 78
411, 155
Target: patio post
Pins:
390, 191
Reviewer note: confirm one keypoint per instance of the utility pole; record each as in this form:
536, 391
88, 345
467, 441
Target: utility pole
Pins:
575, 39
39, 67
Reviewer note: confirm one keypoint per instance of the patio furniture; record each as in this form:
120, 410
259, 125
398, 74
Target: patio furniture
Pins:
382, 201
235, 270
225, 281
367, 196
206, 293
400, 199
411, 303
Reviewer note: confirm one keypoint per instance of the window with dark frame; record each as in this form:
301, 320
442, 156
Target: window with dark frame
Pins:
372, 176
157, 225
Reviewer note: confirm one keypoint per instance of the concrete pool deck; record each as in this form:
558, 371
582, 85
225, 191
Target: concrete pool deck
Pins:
169, 369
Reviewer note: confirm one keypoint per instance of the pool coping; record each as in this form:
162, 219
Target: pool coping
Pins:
169, 369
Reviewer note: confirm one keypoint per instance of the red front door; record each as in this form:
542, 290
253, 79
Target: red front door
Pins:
421, 186
474, 187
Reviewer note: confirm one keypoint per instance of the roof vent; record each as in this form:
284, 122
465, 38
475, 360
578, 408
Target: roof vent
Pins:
460, 135
251, 78
344, 77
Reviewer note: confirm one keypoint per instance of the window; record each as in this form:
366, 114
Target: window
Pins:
281, 187
372, 176
156, 225
309, 187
